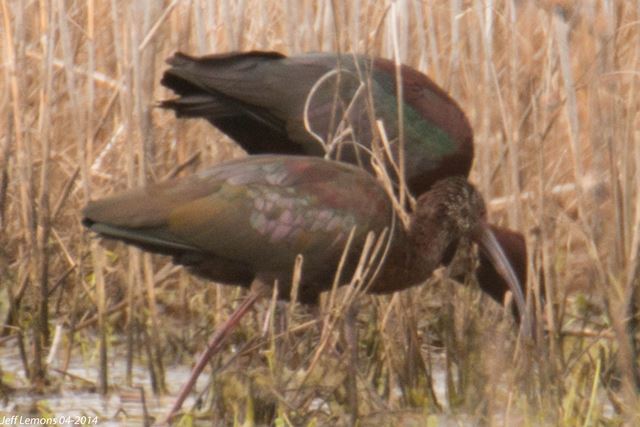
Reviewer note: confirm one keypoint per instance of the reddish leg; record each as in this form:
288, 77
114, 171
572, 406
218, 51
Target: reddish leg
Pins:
215, 342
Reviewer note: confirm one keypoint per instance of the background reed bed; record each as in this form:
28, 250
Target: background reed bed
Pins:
551, 89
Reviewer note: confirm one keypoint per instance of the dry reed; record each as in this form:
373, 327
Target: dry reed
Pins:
551, 89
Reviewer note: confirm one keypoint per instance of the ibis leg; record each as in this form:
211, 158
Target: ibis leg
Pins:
215, 342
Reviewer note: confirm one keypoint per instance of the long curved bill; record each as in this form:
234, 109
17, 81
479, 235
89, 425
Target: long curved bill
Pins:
488, 243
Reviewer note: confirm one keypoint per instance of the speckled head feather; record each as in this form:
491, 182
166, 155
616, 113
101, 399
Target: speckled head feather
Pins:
457, 204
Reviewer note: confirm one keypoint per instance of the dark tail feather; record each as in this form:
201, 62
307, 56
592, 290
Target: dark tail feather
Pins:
143, 239
189, 75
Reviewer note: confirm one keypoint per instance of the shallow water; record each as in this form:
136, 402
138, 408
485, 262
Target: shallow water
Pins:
77, 403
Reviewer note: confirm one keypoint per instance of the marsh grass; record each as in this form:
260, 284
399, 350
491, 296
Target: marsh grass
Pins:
551, 89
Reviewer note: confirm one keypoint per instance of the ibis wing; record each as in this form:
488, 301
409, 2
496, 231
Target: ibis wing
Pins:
261, 211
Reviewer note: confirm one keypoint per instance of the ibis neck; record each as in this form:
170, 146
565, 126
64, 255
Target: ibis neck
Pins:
429, 243
413, 257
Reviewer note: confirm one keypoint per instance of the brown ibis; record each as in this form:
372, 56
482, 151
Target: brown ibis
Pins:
244, 223
325, 104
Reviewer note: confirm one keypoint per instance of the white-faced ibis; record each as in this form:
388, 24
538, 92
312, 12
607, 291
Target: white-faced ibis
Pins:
244, 222
259, 99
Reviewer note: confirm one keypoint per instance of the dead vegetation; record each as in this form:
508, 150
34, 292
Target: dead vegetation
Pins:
551, 89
